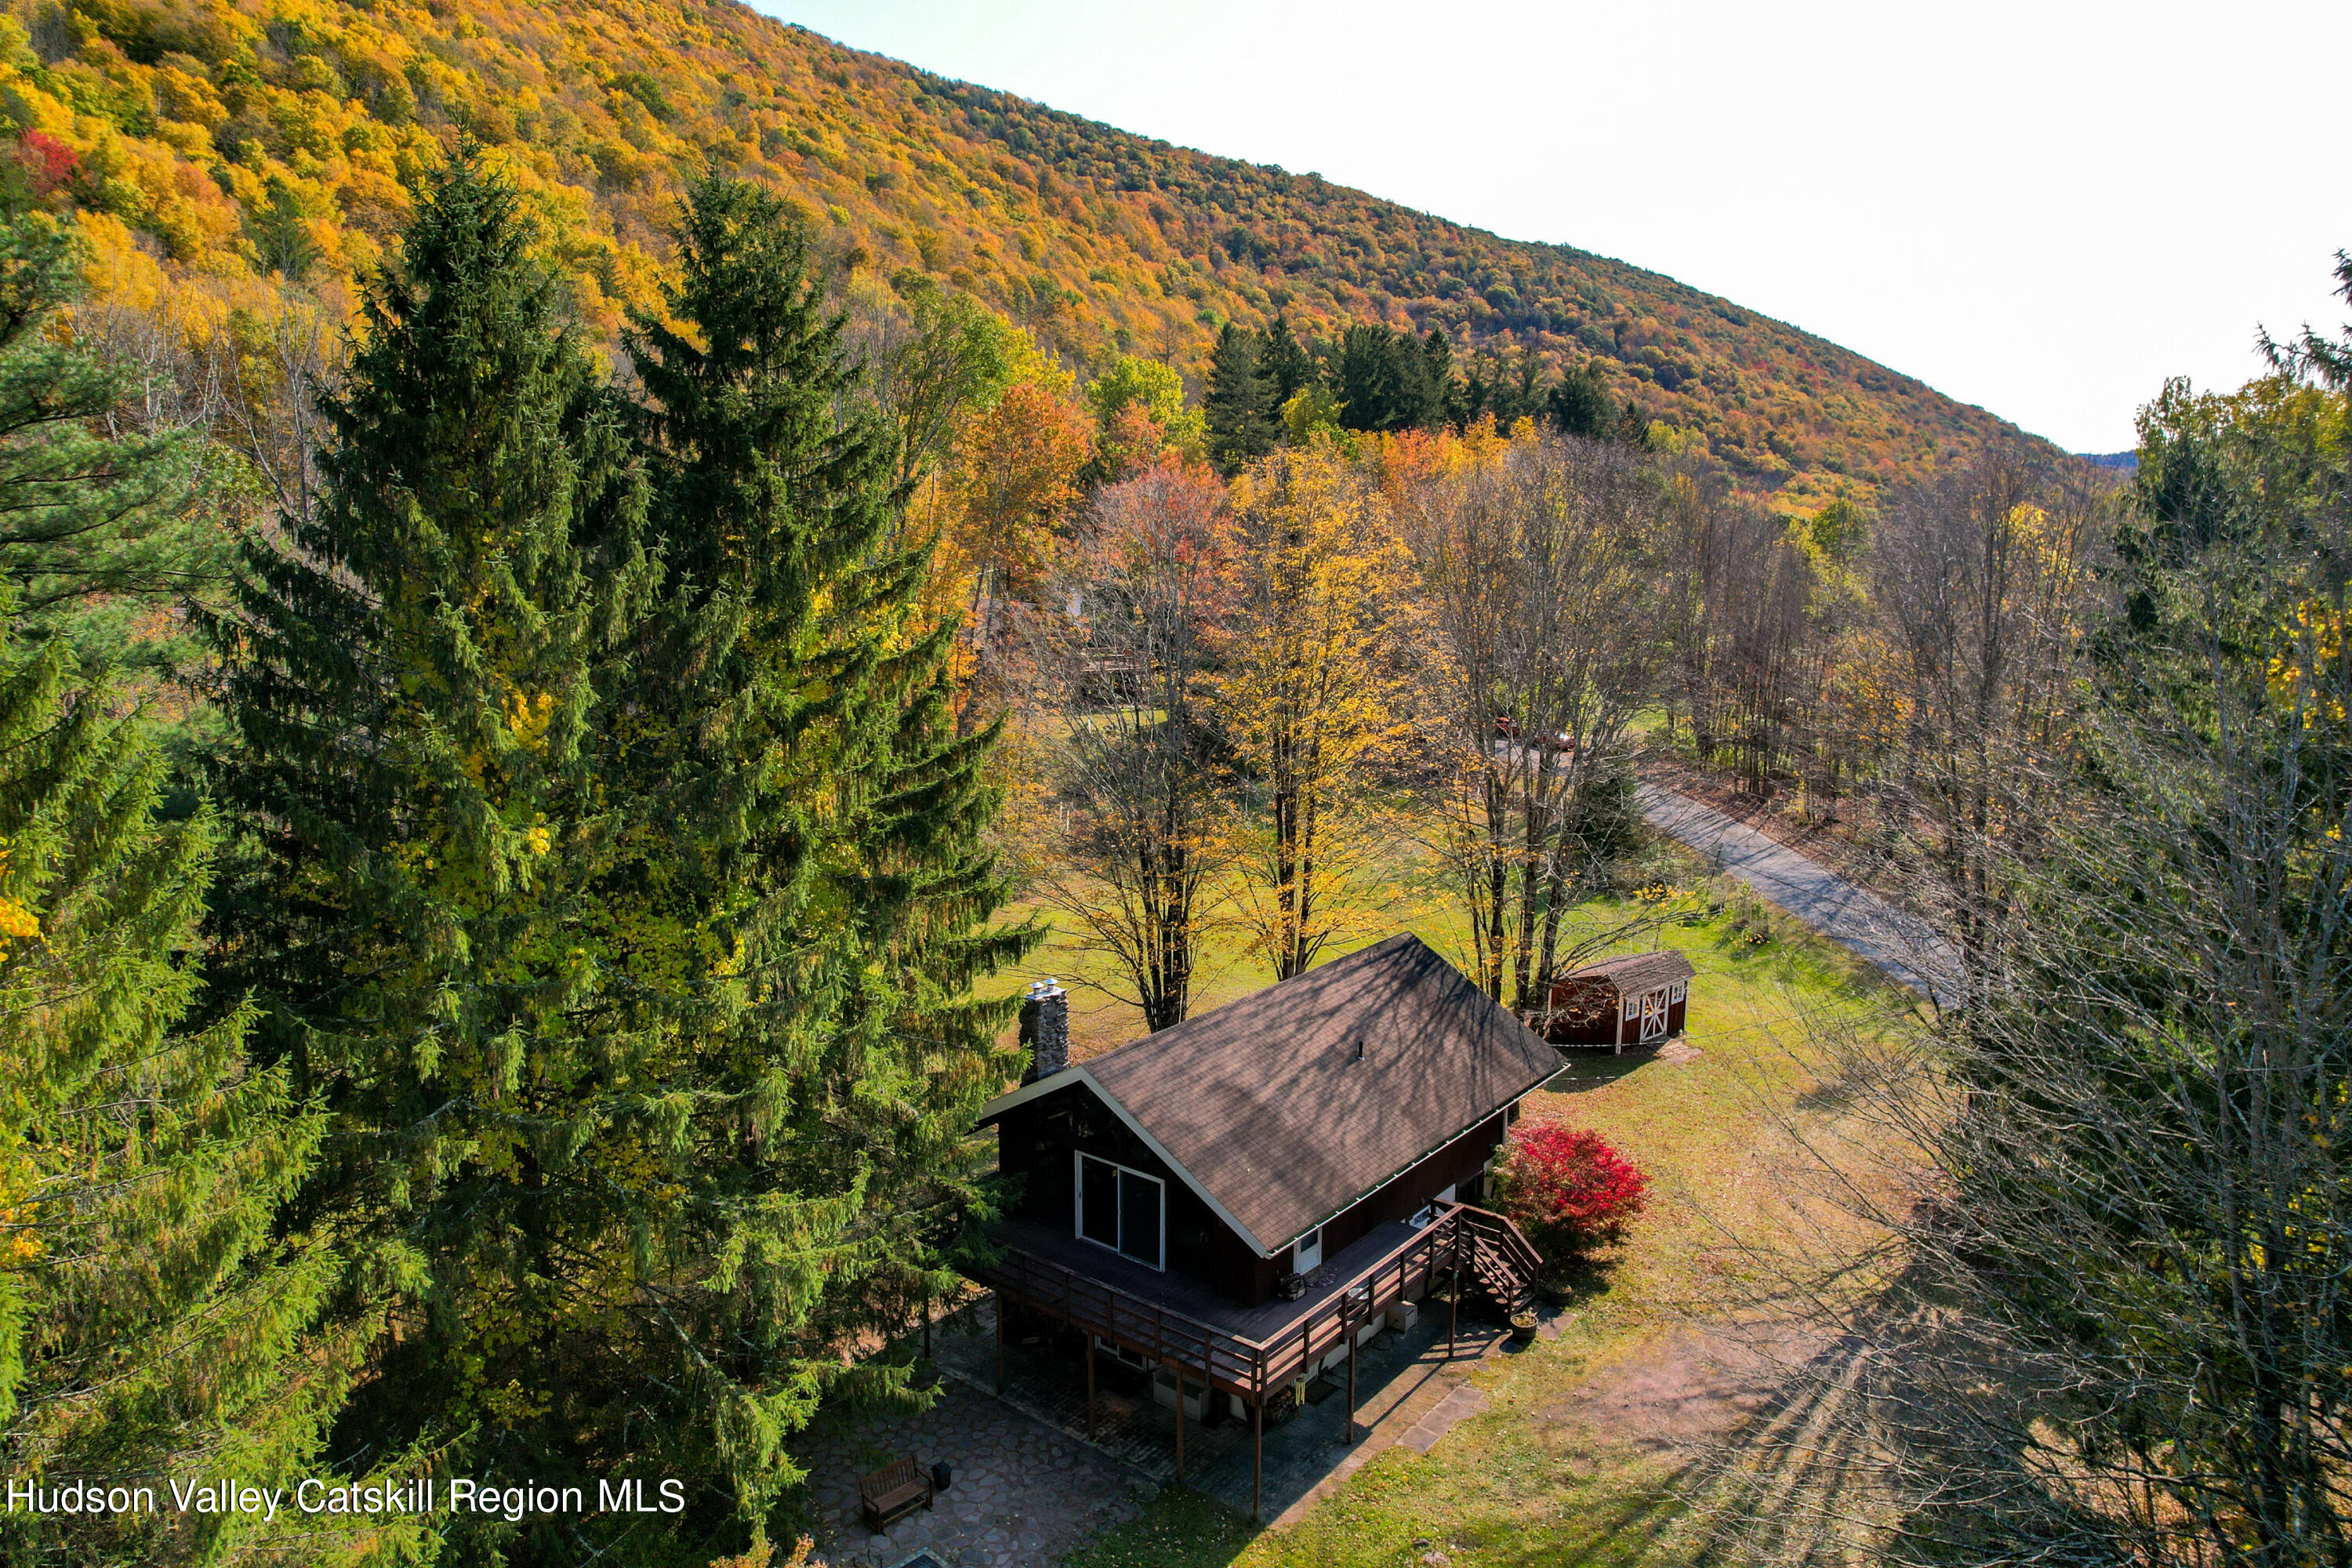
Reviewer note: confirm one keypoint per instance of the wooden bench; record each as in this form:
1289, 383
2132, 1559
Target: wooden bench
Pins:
892, 1492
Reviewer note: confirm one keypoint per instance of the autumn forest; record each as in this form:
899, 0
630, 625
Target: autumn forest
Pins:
588, 586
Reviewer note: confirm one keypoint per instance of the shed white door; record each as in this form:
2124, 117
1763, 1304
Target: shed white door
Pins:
1654, 1015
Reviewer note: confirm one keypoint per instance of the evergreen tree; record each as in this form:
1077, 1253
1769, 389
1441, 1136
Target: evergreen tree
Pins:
1633, 426
1473, 392
1516, 396
413, 678
1374, 394
1287, 367
1241, 418
95, 529
151, 1320
1581, 403
813, 886
1433, 388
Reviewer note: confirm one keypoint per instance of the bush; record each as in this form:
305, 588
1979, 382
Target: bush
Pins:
1568, 1190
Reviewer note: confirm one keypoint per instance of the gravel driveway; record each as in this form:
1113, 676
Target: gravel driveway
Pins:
1900, 945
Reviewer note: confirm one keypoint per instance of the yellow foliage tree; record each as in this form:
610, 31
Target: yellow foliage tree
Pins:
1311, 696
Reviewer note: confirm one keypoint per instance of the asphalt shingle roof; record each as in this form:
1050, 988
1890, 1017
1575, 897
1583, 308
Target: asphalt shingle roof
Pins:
1267, 1103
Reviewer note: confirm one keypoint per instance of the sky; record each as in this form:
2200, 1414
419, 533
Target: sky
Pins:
2042, 208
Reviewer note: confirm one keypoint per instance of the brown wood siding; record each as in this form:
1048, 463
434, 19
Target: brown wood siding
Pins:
1454, 1165
1034, 1143
1609, 1028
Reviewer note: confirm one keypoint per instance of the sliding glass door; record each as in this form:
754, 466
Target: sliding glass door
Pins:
1124, 1210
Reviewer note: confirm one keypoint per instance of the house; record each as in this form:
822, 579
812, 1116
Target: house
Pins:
1638, 1000
1237, 1202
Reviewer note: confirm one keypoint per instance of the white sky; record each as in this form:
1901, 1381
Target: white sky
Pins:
2042, 208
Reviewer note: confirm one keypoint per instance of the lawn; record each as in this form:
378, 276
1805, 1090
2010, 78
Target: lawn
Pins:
1579, 1457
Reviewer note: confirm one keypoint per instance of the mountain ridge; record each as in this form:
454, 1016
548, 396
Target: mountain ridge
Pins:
287, 137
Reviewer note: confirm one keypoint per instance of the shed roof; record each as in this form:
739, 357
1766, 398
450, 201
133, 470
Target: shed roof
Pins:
1636, 972
1266, 1106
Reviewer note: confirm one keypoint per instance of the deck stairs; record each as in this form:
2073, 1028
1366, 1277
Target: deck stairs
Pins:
1502, 1260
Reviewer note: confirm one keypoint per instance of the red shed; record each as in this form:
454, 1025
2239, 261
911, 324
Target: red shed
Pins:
1638, 1000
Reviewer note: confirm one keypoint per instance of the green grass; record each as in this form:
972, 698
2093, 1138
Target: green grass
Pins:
1179, 1529
1529, 1481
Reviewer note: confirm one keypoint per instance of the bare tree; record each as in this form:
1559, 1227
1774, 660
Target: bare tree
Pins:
1743, 612
2112, 1313
1536, 571
1981, 578
1124, 677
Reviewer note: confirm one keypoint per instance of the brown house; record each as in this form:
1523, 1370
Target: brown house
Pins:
1639, 1000
1238, 1201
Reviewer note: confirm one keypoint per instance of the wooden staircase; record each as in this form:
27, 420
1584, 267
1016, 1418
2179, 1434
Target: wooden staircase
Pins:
1502, 1260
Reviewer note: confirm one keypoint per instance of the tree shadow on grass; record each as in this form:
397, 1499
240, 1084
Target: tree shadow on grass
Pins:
1582, 1072
1874, 1450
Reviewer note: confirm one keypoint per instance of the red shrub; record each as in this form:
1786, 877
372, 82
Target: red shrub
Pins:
1567, 1189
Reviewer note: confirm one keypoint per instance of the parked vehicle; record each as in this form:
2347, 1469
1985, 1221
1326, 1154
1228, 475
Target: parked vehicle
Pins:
1507, 728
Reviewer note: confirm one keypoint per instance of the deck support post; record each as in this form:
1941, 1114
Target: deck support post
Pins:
1090, 1387
1258, 1461
1180, 1421
1347, 1320
1000, 1344
1454, 1294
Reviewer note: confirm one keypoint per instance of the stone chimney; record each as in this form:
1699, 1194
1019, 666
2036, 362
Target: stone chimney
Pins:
1046, 1029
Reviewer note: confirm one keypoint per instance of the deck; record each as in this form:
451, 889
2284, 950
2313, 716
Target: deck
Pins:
1253, 1352
1189, 1298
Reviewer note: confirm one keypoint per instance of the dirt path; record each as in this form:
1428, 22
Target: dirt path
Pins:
1899, 945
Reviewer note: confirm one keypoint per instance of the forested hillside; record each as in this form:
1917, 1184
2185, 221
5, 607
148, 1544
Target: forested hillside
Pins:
209, 142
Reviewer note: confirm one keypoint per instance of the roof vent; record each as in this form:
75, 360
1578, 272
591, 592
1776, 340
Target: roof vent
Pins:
1358, 1053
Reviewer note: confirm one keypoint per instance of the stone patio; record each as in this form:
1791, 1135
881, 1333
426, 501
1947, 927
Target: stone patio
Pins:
1406, 1390
1030, 1487
1023, 1494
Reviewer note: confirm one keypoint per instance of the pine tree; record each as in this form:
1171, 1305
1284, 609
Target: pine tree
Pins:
151, 1320
1633, 426
1240, 420
414, 681
1580, 404
1434, 389
1287, 367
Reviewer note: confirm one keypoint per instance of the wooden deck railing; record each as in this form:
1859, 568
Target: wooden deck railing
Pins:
1486, 1244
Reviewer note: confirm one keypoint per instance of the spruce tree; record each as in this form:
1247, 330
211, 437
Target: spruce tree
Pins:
816, 884
1238, 407
1434, 387
1285, 365
1372, 394
1633, 426
151, 1322
96, 528
415, 679
1580, 404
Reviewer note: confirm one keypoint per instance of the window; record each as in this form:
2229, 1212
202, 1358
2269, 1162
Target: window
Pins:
1124, 1210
